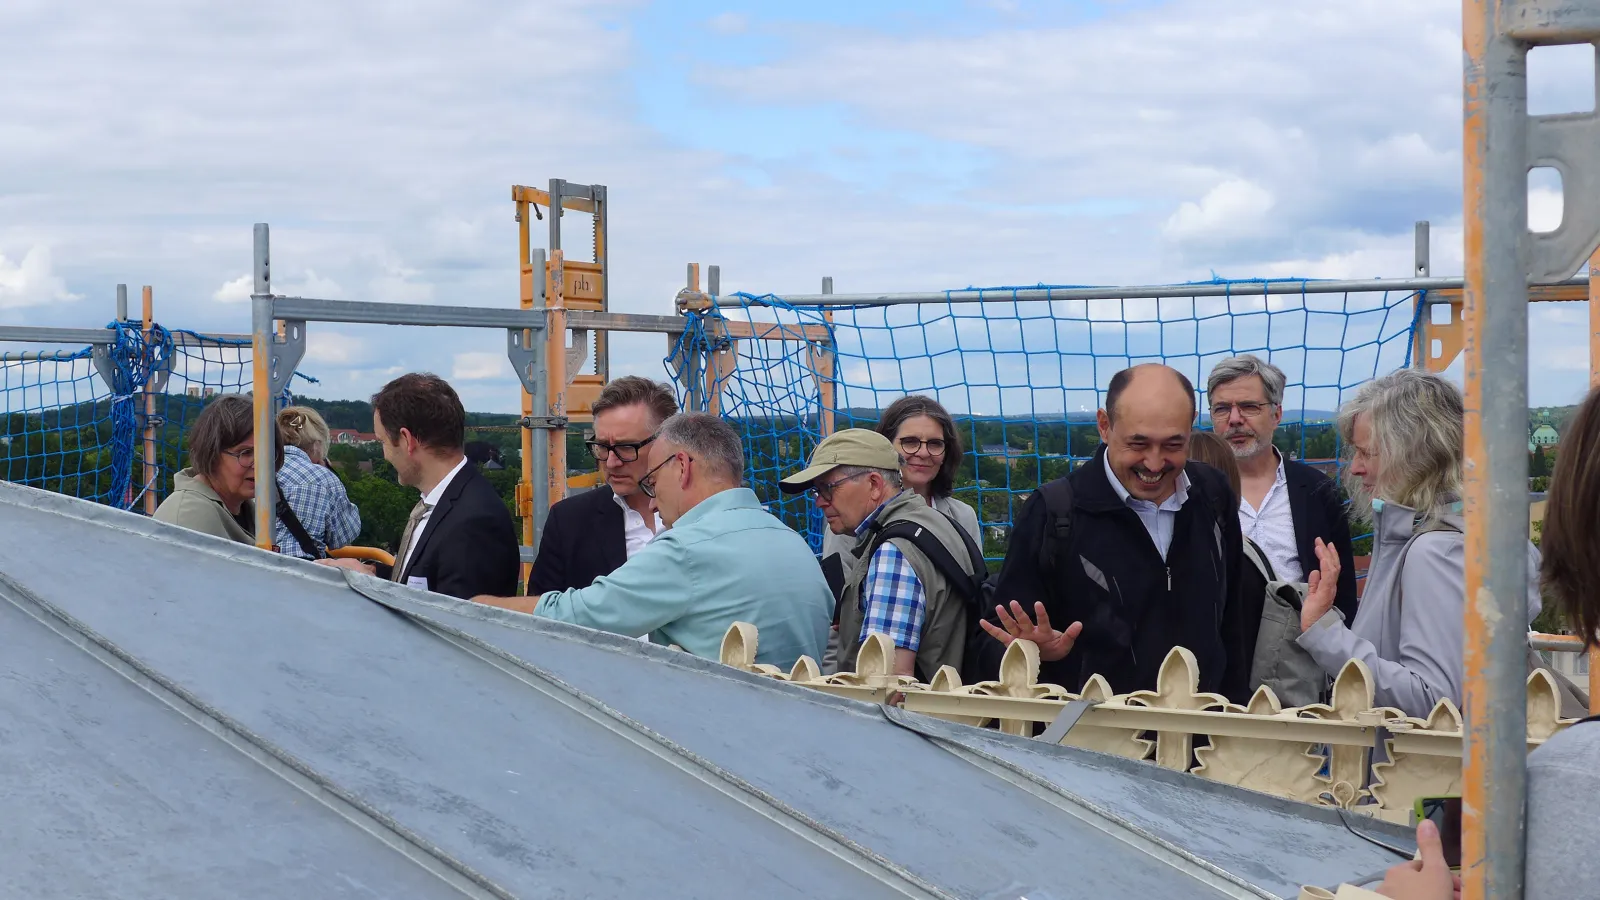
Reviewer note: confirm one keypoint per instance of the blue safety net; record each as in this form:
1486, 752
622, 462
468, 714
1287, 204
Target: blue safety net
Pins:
1021, 378
108, 423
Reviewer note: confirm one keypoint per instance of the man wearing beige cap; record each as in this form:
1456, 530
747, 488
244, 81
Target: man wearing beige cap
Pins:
917, 575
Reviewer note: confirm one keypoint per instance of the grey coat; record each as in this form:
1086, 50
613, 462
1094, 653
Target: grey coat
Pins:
1414, 649
1563, 778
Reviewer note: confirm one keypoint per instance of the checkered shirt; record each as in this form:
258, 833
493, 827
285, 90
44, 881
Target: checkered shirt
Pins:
893, 601
318, 499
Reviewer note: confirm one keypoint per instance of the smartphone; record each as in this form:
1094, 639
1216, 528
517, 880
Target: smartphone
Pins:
1444, 812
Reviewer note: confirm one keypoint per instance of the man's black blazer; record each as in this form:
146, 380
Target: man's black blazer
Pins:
584, 538
469, 546
1319, 512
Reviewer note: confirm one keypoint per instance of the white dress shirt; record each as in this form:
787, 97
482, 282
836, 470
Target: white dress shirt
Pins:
432, 498
1158, 518
636, 533
1272, 527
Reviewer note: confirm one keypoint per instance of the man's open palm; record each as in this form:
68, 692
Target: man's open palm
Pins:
1015, 624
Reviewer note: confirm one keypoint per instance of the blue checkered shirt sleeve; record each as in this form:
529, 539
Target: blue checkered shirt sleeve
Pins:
892, 599
319, 501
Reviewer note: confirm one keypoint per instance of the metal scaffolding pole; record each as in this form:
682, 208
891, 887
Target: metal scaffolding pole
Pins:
1501, 145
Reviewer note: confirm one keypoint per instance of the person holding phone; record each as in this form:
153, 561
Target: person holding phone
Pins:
1563, 856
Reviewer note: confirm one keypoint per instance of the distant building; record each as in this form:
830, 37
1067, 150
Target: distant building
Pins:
1544, 436
352, 438
194, 392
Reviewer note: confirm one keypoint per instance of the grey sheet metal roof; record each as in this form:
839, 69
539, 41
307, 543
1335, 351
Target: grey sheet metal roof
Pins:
185, 717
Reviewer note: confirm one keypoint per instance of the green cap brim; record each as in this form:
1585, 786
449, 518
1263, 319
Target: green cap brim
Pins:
801, 480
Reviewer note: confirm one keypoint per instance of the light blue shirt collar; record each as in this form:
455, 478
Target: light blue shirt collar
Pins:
1179, 497
731, 498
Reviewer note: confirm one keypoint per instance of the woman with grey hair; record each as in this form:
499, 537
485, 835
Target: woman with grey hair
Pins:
1403, 434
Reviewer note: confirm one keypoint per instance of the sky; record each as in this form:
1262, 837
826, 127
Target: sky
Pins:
895, 145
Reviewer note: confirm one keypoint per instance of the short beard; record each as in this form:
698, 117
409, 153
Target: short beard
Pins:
1256, 447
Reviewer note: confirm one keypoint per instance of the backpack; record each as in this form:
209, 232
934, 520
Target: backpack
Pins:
1278, 660
969, 587
1053, 546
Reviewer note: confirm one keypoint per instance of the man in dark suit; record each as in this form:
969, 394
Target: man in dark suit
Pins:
459, 539
1286, 505
594, 533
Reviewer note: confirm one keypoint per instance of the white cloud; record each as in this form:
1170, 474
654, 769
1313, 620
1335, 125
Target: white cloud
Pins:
237, 290
310, 284
728, 23
31, 282
330, 348
1100, 151
478, 366
1234, 207
1544, 209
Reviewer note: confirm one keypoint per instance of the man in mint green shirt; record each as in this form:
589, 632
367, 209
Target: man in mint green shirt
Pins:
722, 559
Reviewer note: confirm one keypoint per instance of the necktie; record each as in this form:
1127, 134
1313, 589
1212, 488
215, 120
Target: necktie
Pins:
417, 512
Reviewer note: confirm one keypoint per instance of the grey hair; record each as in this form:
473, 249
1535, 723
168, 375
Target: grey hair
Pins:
890, 477
1243, 366
1417, 421
711, 441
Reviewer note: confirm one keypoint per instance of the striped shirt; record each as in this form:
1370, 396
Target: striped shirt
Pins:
893, 601
319, 501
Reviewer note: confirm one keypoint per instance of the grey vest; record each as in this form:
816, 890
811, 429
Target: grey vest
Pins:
945, 620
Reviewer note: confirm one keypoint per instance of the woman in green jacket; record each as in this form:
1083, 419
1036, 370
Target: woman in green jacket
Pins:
215, 494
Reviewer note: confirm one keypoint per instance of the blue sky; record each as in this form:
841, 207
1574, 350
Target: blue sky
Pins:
892, 145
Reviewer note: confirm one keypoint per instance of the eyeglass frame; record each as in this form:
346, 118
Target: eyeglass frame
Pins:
239, 456
636, 446
824, 492
943, 446
647, 482
1228, 408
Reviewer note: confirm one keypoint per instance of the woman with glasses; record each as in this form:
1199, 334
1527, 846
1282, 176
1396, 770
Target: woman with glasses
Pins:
930, 453
215, 494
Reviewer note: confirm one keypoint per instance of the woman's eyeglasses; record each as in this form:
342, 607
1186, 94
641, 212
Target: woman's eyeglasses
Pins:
245, 457
910, 446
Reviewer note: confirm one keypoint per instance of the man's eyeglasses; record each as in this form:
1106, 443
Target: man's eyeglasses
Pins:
648, 482
1222, 411
824, 492
626, 452
245, 457
911, 446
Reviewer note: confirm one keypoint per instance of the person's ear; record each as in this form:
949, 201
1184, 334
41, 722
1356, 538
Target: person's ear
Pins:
1103, 422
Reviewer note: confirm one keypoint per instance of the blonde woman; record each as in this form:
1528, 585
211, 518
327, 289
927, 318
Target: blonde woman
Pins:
1403, 436
314, 494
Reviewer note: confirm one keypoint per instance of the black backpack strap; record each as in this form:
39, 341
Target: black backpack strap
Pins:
970, 586
1057, 536
292, 522
833, 572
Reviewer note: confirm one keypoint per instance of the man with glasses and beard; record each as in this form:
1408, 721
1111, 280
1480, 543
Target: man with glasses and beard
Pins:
591, 534
721, 559
1134, 553
1286, 505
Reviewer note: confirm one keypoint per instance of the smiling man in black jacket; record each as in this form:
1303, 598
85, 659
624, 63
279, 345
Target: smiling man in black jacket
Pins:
1136, 552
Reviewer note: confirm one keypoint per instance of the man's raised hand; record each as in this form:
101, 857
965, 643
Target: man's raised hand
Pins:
1015, 624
